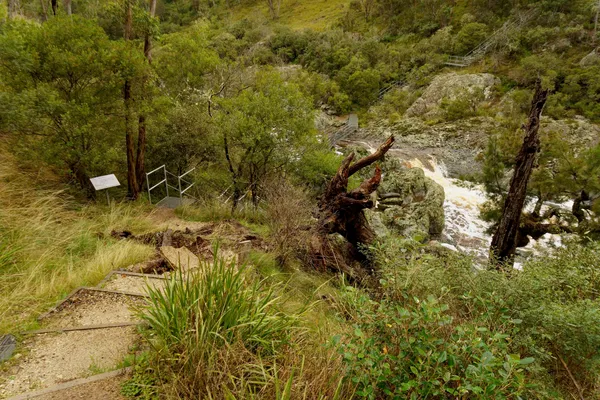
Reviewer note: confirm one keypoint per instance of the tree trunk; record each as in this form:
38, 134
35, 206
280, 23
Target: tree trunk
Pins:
132, 186
44, 11
54, 7
274, 7
342, 212
67, 5
148, 38
577, 209
13, 7
596, 22
140, 169
538, 206
503, 246
141, 146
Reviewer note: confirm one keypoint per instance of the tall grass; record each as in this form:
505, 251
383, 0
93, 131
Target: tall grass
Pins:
50, 243
219, 333
213, 306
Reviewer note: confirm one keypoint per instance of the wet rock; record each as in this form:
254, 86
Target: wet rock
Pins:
579, 132
459, 145
419, 209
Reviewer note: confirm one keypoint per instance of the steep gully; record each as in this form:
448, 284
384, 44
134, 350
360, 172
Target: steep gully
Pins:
464, 230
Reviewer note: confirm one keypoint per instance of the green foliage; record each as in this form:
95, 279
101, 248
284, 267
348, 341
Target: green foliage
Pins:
265, 127
61, 92
414, 351
556, 297
545, 311
142, 385
464, 105
185, 59
469, 36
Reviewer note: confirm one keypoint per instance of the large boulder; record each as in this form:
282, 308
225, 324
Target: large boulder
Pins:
451, 87
458, 145
592, 58
579, 132
408, 203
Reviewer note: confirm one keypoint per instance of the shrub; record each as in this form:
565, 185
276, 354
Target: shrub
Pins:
549, 310
469, 37
288, 213
416, 350
464, 105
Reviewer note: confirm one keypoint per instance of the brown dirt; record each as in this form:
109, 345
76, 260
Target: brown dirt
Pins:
93, 308
107, 389
56, 358
133, 284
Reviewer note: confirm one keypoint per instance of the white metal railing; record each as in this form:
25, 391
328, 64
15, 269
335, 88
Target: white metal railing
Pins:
165, 181
150, 188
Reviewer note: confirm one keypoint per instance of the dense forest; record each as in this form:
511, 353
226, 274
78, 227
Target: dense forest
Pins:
445, 246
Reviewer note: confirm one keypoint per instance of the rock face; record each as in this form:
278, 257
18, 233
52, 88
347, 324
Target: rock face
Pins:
578, 132
458, 145
591, 59
409, 203
451, 86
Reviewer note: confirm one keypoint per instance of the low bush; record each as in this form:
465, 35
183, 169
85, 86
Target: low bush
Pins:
533, 334
417, 350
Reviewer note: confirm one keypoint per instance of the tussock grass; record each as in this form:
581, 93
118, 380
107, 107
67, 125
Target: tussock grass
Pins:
217, 210
50, 243
224, 333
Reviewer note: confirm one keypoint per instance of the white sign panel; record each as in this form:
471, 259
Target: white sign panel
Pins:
105, 182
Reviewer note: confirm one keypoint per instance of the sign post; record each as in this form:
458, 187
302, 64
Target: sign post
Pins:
105, 182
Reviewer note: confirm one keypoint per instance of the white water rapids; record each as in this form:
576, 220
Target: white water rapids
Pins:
464, 229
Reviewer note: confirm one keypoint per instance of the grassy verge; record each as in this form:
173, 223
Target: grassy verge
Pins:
50, 244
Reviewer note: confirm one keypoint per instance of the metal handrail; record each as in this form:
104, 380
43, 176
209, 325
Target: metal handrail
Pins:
158, 184
165, 181
188, 188
150, 188
181, 176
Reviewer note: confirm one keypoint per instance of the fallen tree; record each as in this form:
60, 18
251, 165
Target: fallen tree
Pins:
341, 212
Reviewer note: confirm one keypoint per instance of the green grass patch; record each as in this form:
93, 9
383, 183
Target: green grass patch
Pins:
297, 14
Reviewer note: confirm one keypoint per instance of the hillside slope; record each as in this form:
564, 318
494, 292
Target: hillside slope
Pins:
296, 14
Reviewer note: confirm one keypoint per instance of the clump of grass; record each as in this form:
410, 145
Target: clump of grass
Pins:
220, 333
216, 210
217, 305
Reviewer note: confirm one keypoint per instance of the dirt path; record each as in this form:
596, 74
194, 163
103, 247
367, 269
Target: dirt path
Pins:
85, 335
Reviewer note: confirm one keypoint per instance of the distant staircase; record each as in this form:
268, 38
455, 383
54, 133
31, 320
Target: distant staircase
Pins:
388, 88
493, 40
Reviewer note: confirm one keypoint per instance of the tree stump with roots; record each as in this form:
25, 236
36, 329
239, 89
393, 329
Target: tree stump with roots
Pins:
342, 212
